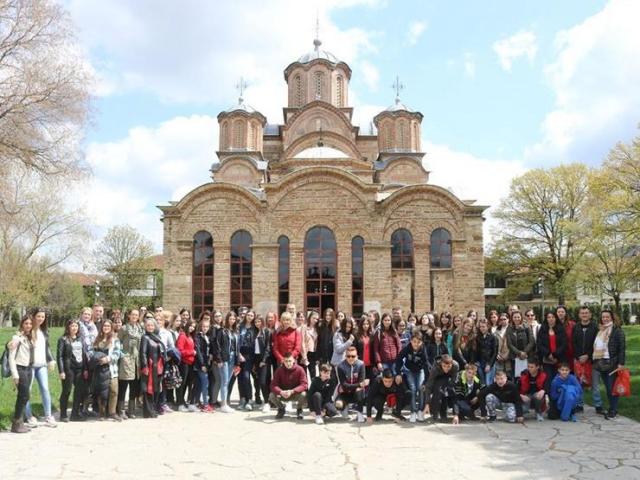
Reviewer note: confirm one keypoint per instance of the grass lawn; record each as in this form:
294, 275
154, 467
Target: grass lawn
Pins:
629, 407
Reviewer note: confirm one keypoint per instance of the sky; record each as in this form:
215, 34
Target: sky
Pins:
503, 86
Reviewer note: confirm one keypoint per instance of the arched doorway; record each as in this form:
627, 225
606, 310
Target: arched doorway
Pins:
320, 267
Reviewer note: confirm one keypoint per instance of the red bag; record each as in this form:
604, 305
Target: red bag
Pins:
391, 400
622, 385
583, 372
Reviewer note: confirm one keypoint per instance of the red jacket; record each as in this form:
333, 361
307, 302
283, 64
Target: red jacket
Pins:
187, 349
525, 381
286, 341
386, 347
289, 379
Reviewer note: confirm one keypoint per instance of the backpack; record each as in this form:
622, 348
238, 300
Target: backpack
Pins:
171, 377
6, 370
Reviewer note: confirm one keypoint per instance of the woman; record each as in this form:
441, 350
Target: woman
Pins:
532, 322
185, 316
552, 346
287, 339
325, 336
464, 344
493, 320
164, 321
263, 361
225, 357
105, 358
386, 345
364, 346
412, 363
487, 348
203, 348
215, 377
246, 345
72, 366
374, 320
42, 361
520, 342
404, 333
21, 354
609, 350
503, 360
310, 344
129, 368
436, 349
342, 340
152, 360
186, 346
568, 325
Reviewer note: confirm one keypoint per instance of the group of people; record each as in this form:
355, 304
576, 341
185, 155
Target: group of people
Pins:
437, 366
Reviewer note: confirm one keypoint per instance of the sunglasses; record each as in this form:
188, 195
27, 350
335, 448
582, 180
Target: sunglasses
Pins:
351, 356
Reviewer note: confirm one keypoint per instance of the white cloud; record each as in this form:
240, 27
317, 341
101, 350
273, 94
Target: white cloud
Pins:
472, 178
594, 78
415, 31
370, 74
469, 65
521, 44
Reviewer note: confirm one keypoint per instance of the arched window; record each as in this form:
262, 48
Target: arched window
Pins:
402, 249
440, 248
283, 273
357, 276
340, 91
239, 136
241, 270
319, 84
320, 266
202, 279
224, 136
297, 91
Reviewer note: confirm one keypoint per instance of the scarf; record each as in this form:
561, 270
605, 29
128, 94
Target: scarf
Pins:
601, 345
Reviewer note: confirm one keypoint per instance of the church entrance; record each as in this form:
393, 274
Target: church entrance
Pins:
320, 265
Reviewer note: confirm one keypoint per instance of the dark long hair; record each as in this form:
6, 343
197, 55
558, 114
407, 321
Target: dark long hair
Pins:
44, 327
67, 326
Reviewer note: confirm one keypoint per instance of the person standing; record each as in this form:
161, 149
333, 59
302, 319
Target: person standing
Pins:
152, 359
412, 363
105, 358
129, 368
72, 367
263, 362
609, 350
88, 335
186, 346
386, 344
21, 354
583, 337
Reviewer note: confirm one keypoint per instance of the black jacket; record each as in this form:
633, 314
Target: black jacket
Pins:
583, 338
617, 347
487, 348
435, 351
223, 345
438, 379
326, 389
466, 354
377, 390
508, 393
247, 340
264, 345
203, 350
65, 359
543, 342
462, 388
324, 349
412, 360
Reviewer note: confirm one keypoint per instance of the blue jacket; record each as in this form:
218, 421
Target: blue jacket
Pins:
558, 384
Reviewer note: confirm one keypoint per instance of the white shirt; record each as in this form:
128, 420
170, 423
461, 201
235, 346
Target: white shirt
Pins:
40, 352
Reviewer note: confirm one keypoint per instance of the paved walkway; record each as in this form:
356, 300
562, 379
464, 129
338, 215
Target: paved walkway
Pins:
253, 445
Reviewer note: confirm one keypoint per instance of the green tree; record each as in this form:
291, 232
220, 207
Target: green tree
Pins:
542, 224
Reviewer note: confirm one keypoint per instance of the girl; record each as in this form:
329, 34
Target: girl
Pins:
263, 360
404, 333
246, 346
21, 354
487, 348
72, 365
436, 349
464, 344
520, 342
105, 358
412, 321
129, 368
413, 362
503, 361
187, 348
310, 344
169, 343
364, 346
42, 360
342, 340
552, 346
325, 337
152, 359
568, 325
374, 320
386, 345
532, 322
226, 356
175, 325
609, 350
493, 320
202, 344
271, 320
215, 377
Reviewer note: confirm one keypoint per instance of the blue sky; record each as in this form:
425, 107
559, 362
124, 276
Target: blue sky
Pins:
504, 86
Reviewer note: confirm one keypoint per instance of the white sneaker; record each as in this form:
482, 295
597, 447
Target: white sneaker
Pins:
50, 422
412, 418
226, 409
266, 408
192, 408
539, 417
32, 422
421, 416
183, 408
361, 418
289, 408
319, 420
248, 407
345, 414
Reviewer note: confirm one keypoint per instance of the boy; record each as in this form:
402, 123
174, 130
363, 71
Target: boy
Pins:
289, 385
532, 393
566, 394
383, 390
351, 384
502, 393
321, 394
439, 392
467, 389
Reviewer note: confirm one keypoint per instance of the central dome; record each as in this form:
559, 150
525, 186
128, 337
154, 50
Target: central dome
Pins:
316, 53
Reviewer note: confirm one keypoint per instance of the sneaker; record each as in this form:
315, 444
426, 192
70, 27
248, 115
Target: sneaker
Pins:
397, 416
64, 419
345, 414
266, 408
421, 416
612, 414
242, 404
115, 417
319, 420
539, 417
183, 408
299, 414
361, 418
492, 419
166, 408
280, 414
208, 409
248, 407
192, 408
599, 410
573, 418
412, 417
50, 422
19, 427
32, 422
226, 409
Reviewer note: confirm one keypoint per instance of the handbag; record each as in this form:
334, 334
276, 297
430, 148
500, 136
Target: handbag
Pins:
603, 365
622, 385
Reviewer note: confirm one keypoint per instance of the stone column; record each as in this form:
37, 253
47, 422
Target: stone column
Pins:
265, 277
296, 274
177, 274
221, 277
421, 277
377, 276
343, 294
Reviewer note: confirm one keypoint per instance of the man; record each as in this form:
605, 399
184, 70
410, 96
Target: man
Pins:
384, 389
584, 334
532, 390
396, 315
351, 384
289, 384
439, 391
291, 309
502, 394
467, 389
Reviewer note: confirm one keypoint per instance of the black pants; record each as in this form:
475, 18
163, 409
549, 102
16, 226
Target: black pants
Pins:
244, 382
356, 397
132, 385
317, 405
465, 409
264, 381
73, 379
188, 378
443, 397
25, 375
313, 364
149, 403
378, 402
550, 370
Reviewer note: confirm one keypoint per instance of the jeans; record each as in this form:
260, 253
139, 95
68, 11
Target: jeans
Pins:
42, 377
466, 410
391, 366
25, 375
264, 380
538, 405
203, 383
317, 405
608, 385
225, 379
244, 382
349, 398
486, 377
414, 383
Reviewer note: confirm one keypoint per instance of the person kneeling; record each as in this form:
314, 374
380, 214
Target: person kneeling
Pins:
289, 384
385, 389
566, 395
532, 393
321, 394
439, 391
468, 387
502, 394
351, 384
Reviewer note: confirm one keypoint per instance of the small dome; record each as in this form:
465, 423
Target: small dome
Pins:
316, 53
398, 106
242, 107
